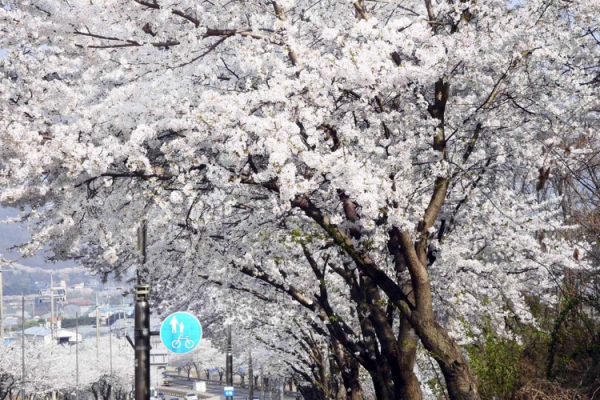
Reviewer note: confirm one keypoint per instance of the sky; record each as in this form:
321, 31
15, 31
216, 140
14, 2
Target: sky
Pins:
11, 234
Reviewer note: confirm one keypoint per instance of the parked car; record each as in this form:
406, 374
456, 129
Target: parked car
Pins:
191, 396
167, 383
161, 396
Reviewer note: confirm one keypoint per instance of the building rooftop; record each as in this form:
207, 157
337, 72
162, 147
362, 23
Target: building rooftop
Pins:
116, 309
88, 331
38, 331
81, 302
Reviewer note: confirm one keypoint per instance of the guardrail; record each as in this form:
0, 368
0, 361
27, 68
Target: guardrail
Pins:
181, 393
220, 383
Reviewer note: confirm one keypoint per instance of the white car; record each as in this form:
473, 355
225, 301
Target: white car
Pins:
191, 396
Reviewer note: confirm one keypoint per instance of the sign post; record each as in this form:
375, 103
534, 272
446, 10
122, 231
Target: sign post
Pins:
228, 391
142, 343
229, 363
181, 332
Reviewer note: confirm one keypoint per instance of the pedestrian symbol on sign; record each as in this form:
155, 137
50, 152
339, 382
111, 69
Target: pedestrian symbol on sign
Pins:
180, 332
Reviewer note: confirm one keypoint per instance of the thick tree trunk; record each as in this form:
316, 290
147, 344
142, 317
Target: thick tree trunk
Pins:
452, 362
407, 351
311, 392
460, 383
459, 380
400, 357
378, 367
352, 380
319, 388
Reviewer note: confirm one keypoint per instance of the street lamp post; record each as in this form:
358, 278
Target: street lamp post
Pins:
52, 333
229, 360
1, 308
142, 326
97, 330
281, 383
110, 347
262, 382
250, 377
23, 345
76, 356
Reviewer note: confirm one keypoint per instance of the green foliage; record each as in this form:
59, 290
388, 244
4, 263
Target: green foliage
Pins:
562, 351
34, 322
496, 362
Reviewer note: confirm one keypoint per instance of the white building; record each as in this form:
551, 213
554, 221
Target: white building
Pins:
43, 334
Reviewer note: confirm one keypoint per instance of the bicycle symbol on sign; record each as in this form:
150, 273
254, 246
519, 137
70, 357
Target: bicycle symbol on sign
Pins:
188, 343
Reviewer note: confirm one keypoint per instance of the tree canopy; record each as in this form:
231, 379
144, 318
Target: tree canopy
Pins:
360, 179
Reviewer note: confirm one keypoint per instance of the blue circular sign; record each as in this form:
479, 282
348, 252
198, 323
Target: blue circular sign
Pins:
181, 332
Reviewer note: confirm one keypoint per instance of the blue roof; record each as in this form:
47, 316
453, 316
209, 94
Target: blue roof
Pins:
108, 309
115, 309
38, 331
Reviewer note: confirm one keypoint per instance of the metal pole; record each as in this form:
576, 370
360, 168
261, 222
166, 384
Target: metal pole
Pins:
142, 327
270, 388
97, 329
76, 356
1, 308
23, 346
250, 377
142, 344
280, 388
262, 382
121, 315
52, 317
110, 346
51, 306
229, 359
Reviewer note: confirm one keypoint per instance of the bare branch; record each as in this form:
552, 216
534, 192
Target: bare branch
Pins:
359, 7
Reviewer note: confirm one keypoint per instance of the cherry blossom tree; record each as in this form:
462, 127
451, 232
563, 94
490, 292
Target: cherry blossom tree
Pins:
9, 377
207, 358
51, 368
362, 171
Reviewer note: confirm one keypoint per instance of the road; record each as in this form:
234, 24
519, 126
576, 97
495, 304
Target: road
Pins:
180, 382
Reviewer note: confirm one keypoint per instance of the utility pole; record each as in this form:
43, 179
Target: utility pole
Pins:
229, 359
280, 388
76, 356
250, 376
23, 346
51, 306
121, 316
1, 308
110, 346
52, 317
142, 326
97, 330
262, 382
